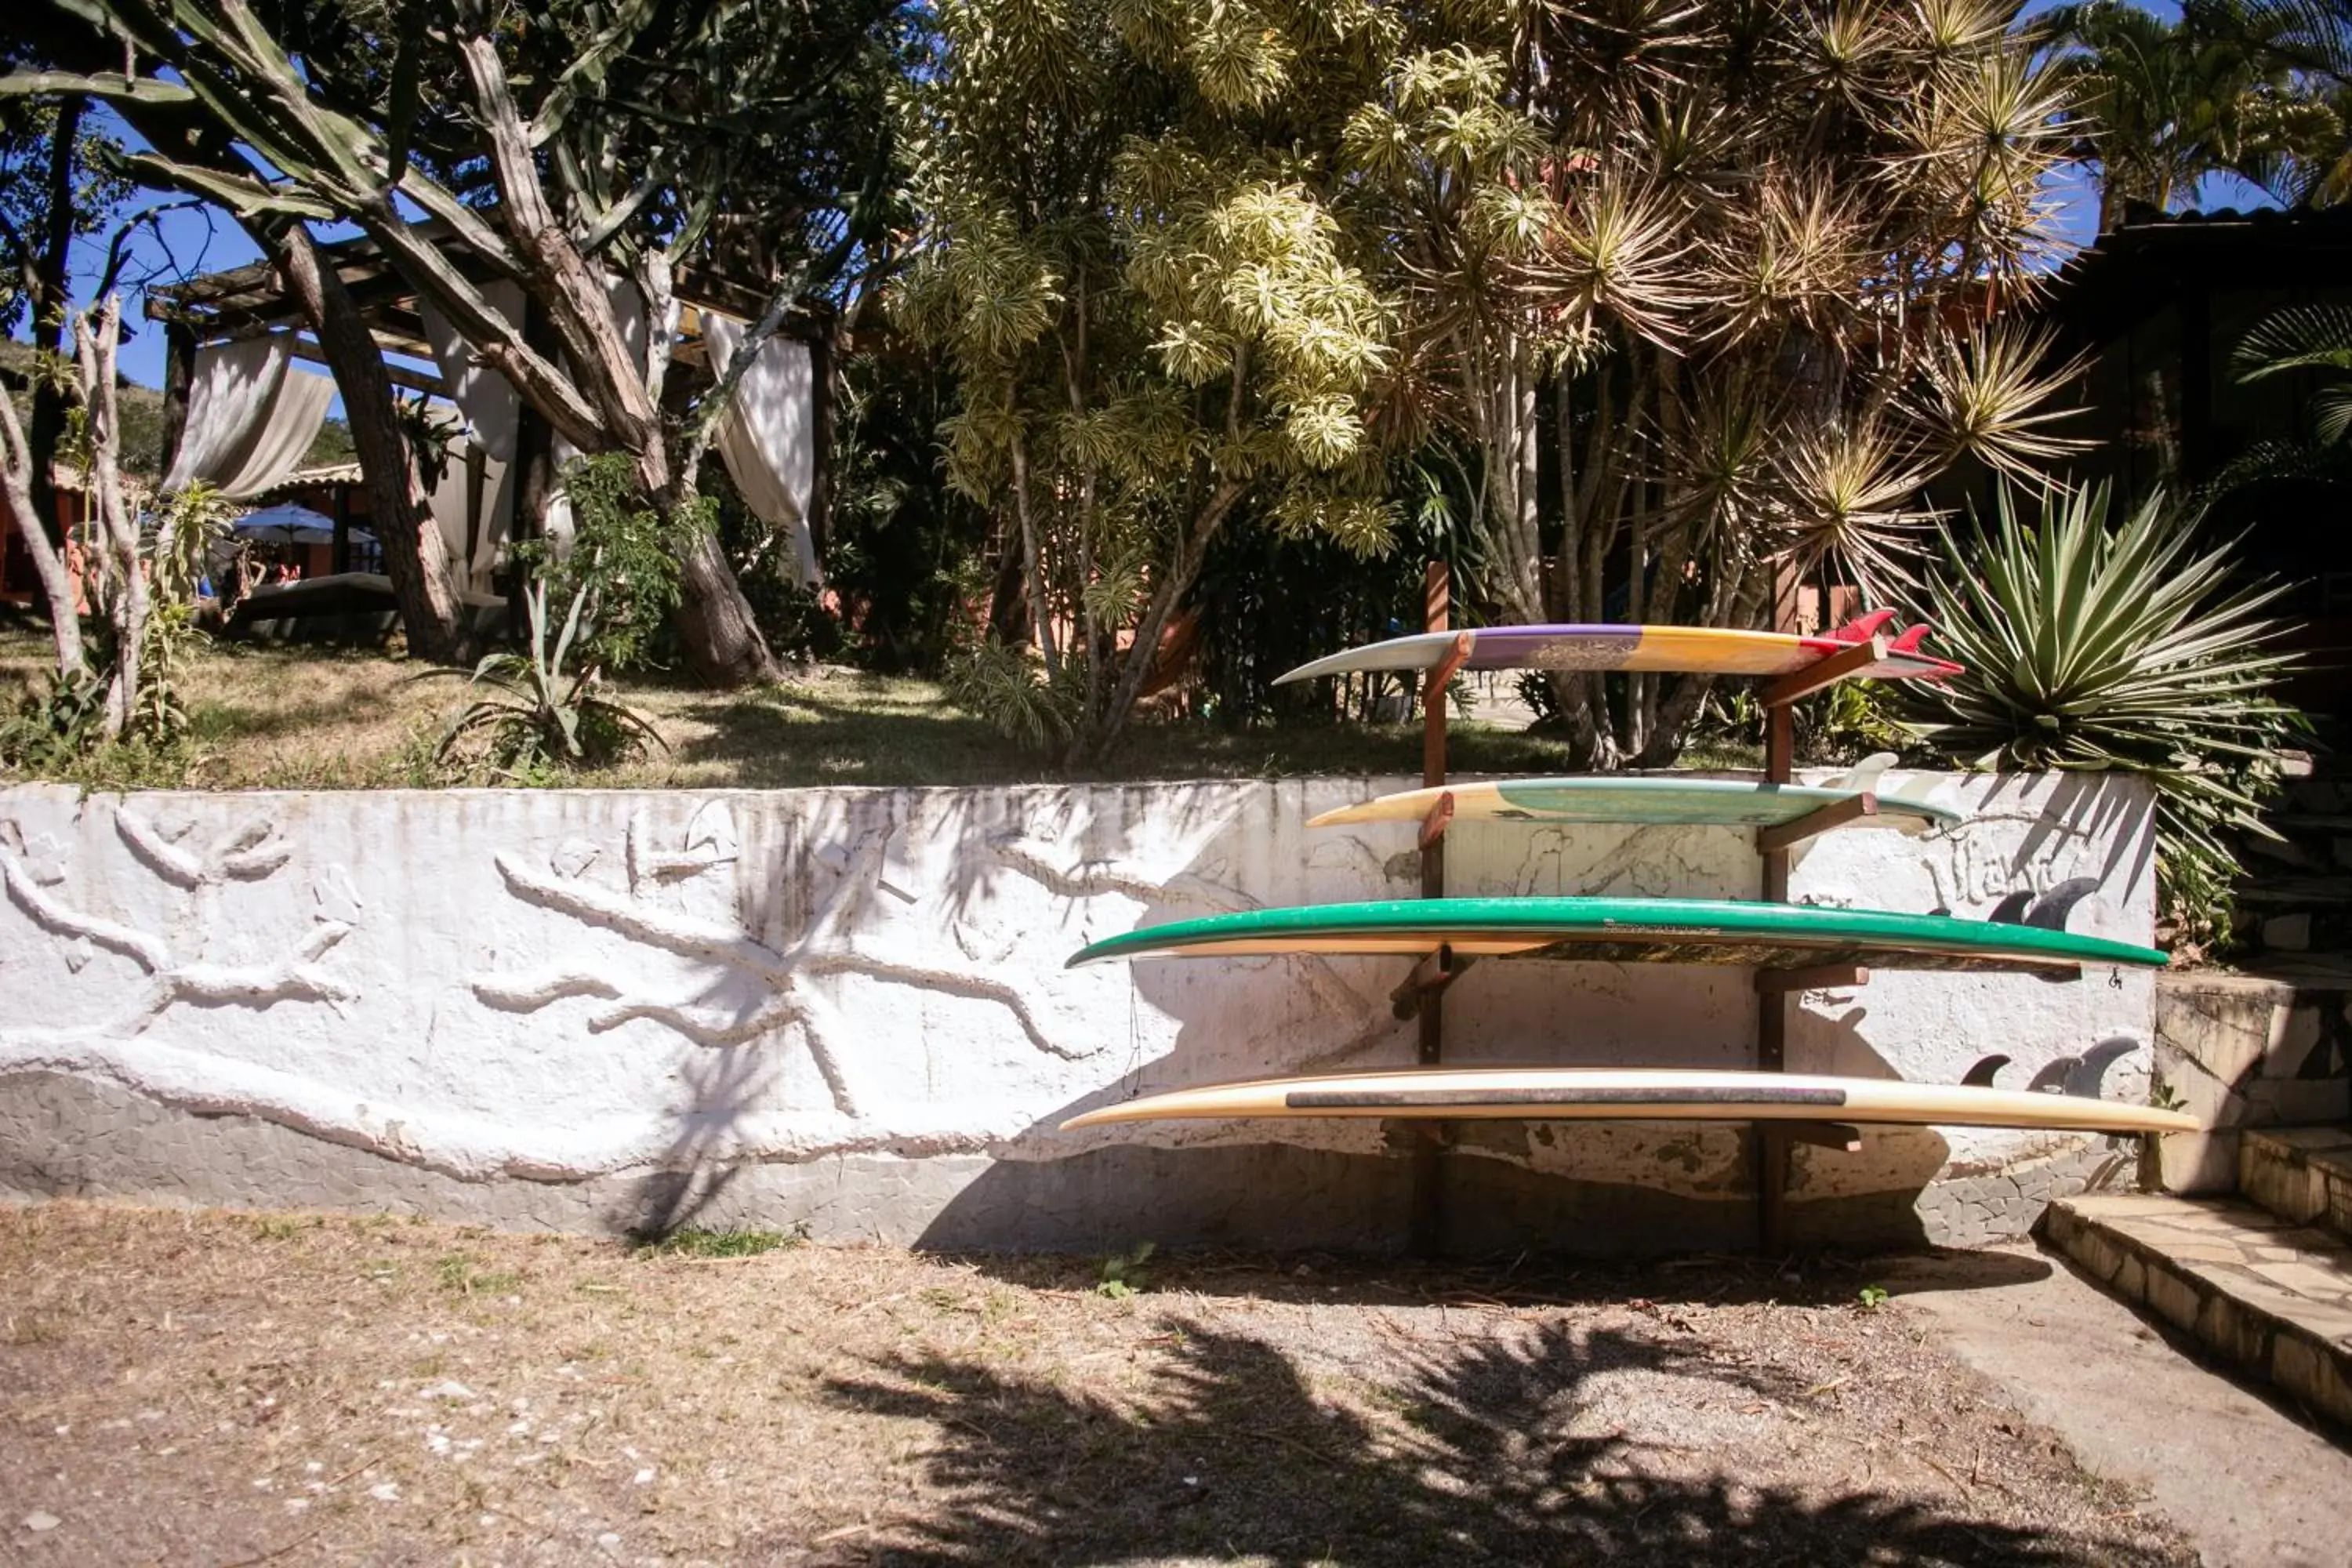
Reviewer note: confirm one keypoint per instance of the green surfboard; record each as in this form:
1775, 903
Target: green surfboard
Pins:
1631, 931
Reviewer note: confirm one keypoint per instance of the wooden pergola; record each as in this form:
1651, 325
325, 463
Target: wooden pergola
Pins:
251, 300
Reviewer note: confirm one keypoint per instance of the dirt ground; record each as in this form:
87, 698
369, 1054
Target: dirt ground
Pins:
239, 1389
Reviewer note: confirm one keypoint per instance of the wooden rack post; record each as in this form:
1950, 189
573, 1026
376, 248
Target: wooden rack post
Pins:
1430, 977
1773, 988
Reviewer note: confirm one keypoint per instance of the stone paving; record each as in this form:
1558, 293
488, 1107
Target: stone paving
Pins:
2262, 1292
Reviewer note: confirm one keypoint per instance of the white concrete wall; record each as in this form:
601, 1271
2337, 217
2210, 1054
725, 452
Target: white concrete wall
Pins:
848, 1007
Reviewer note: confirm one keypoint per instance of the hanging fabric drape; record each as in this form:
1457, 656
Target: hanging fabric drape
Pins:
449, 501
768, 437
492, 410
252, 418
629, 315
491, 406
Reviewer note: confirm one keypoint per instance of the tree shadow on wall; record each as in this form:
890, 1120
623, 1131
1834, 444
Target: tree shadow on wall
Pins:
723, 1083
1502, 1453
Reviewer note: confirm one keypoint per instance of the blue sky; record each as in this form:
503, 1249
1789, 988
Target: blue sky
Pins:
194, 241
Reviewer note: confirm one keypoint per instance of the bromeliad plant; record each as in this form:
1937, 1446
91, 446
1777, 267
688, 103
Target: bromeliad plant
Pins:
2126, 647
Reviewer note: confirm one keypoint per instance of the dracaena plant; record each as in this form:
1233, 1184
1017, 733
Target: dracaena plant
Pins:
2131, 647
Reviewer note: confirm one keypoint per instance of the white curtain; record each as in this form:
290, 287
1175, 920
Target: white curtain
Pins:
768, 439
448, 503
490, 403
629, 315
251, 416
492, 410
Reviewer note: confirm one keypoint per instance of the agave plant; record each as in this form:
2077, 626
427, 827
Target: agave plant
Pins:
538, 715
2127, 647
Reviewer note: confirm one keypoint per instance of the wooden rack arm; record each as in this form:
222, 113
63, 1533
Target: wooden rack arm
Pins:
1446, 668
1431, 976
1440, 817
1825, 672
1837, 814
1821, 977
1838, 1136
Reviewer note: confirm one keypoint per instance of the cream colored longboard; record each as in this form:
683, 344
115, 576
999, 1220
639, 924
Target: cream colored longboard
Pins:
1639, 1094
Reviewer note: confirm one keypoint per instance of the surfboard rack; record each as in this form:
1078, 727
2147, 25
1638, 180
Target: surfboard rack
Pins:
1827, 672
1774, 987
1421, 993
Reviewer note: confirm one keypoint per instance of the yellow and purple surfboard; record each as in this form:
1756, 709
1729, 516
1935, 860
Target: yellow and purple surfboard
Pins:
1714, 650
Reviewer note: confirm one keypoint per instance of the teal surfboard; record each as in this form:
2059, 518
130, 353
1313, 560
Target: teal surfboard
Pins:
1630, 931
1649, 802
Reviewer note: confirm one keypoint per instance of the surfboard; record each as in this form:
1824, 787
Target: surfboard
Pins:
1639, 1094
1701, 649
1631, 931
1646, 801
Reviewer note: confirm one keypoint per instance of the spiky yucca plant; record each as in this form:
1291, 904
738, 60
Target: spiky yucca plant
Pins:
2127, 647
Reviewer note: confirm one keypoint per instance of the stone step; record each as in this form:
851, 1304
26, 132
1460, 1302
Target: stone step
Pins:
2239, 1051
2303, 1174
2265, 1297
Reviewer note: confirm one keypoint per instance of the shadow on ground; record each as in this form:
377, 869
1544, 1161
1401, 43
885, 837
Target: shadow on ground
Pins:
1501, 1452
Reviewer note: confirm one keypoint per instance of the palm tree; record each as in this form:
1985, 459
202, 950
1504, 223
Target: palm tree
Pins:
2161, 103
2307, 338
1705, 288
2254, 88
2303, 137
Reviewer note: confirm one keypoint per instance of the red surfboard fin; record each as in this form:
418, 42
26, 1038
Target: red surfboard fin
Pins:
1909, 641
1865, 627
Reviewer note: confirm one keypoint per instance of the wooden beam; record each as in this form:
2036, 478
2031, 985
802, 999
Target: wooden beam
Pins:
401, 375
179, 377
1772, 1187
1772, 1006
1813, 823
1821, 977
1825, 673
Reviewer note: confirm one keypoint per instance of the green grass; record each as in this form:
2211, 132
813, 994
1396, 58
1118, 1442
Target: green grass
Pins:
285, 718
693, 1241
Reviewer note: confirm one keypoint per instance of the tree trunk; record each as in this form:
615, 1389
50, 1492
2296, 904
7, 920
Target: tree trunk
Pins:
1145, 650
48, 564
125, 589
49, 301
414, 556
1032, 564
722, 637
